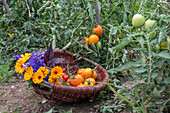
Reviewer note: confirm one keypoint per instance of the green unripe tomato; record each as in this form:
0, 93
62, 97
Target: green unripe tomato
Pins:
152, 35
150, 24
138, 20
99, 45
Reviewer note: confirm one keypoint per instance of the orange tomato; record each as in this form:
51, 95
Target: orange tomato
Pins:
81, 85
94, 74
84, 42
49, 2
87, 73
81, 77
80, 71
98, 30
75, 80
93, 39
87, 39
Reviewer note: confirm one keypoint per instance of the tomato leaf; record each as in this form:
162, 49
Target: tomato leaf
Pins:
123, 43
49, 53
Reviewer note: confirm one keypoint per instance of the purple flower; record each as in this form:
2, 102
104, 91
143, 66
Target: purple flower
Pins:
36, 60
17, 56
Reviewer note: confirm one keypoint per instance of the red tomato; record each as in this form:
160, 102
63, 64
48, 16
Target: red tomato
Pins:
64, 70
68, 82
65, 77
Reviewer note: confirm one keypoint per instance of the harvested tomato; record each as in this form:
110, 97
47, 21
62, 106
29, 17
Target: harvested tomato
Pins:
138, 20
81, 85
64, 69
98, 30
91, 80
80, 71
88, 83
94, 74
65, 77
87, 73
81, 77
68, 82
75, 80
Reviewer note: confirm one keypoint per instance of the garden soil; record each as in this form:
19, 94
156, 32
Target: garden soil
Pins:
17, 96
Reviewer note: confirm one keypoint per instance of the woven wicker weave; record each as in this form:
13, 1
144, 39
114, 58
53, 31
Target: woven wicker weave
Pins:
60, 93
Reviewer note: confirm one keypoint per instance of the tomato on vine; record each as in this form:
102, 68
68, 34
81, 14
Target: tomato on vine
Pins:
93, 39
98, 30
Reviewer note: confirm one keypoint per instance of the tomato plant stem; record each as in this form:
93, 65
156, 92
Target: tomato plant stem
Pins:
150, 61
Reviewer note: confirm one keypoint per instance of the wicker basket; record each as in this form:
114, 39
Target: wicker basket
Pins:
60, 93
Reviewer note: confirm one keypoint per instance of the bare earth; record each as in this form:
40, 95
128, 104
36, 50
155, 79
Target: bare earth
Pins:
16, 96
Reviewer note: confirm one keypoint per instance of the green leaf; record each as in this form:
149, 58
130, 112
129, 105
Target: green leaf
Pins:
123, 43
154, 75
135, 34
90, 10
167, 80
140, 70
141, 40
164, 54
161, 89
113, 30
140, 49
127, 66
155, 93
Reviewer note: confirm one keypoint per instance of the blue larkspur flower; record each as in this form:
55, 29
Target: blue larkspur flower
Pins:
46, 78
17, 56
36, 60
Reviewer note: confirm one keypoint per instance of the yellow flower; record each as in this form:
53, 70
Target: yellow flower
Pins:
38, 77
56, 71
44, 70
41, 21
54, 79
9, 34
36, 27
10, 9
19, 66
26, 35
26, 56
28, 74
13, 34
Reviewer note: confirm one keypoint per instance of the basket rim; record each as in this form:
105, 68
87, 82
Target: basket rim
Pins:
52, 85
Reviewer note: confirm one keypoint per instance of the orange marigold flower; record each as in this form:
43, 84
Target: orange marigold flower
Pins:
19, 66
28, 74
54, 79
38, 77
56, 71
44, 70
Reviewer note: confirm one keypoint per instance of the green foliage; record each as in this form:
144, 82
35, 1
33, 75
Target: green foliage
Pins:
5, 72
135, 56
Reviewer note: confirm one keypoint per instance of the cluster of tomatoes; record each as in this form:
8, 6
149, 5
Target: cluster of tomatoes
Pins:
94, 38
85, 77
